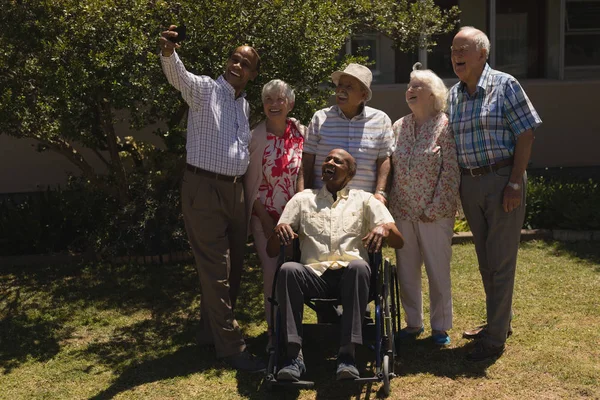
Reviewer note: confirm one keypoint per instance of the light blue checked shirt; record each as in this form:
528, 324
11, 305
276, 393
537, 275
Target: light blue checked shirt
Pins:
218, 132
487, 124
367, 137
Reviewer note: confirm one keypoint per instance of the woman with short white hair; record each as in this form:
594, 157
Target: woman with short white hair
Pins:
272, 175
423, 201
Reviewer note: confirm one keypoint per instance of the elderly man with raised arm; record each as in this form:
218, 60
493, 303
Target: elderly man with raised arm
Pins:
493, 122
337, 227
353, 126
218, 135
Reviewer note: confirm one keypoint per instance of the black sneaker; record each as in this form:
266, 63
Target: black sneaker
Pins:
292, 370
346, 368
244, 361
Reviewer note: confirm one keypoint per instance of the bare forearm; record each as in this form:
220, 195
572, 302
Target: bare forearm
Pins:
522, 155
260, 209
384, 166
395, 239
300, 179
308, 166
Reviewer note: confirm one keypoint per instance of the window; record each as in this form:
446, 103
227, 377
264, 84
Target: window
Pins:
378, 51
582, 33
520, 37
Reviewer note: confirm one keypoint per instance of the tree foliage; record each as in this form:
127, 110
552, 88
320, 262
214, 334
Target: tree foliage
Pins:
71, 70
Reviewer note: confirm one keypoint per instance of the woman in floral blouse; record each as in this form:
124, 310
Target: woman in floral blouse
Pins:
423, 201
273, 175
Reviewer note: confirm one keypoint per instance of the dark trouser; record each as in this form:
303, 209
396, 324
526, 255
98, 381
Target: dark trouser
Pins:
295, 282
215, 220
496, 234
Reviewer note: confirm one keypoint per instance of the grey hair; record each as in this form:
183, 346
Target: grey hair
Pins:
437, 86
278, 86
481, 40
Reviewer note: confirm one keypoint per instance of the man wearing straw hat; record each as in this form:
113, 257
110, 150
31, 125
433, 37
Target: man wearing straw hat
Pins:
351, 125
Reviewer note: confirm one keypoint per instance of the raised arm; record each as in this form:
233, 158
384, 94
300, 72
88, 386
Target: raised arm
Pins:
193, 88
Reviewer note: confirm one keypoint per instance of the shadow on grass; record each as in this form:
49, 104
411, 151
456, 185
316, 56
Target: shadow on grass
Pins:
148, 318
422, 356
589, 251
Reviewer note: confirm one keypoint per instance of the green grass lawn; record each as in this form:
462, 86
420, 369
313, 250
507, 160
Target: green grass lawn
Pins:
103, 331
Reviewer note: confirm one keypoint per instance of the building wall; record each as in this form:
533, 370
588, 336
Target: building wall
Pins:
23, 169
569, 135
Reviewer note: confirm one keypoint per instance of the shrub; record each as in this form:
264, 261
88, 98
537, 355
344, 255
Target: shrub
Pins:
564, 204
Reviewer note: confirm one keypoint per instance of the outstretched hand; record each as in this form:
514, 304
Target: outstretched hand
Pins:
167, 47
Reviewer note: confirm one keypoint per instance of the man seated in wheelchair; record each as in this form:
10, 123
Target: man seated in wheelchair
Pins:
337, 227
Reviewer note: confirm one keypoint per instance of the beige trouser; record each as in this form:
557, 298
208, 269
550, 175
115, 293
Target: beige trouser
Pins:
215, 220
430, 242
268, 264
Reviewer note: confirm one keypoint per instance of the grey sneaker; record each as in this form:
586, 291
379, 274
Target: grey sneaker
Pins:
292, 370
346, 368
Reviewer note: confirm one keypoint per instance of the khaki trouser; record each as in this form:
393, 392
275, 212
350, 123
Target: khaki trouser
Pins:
429, 242
215, 220
496, 234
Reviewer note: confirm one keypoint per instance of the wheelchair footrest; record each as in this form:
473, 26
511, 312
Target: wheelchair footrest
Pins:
367, 379
297, 384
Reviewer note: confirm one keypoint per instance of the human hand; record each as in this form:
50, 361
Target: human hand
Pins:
285, 233
380, 198
425, 218
374, 239
167, 47
511, 199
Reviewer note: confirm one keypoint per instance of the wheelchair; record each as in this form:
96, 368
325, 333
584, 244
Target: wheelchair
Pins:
379, 333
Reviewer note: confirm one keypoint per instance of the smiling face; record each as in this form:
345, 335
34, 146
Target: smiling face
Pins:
467, 61
419, 96
337, 169
276, 106
241, 67
350, 94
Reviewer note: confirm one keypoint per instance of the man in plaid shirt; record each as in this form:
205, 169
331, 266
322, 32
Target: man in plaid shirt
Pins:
493, 123
212, 194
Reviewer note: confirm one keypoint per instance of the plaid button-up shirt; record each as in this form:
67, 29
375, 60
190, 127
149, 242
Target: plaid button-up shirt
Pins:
487, 124
218, 132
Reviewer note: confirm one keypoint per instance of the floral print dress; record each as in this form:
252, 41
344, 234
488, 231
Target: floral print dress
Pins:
281, 163
426, 176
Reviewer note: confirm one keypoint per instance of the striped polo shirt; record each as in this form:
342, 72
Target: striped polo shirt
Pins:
367, 137
487, 124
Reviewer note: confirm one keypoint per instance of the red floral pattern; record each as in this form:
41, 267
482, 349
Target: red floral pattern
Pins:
281, 163
426, 175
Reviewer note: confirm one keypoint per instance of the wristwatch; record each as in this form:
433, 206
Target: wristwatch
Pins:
383, 193
514, 186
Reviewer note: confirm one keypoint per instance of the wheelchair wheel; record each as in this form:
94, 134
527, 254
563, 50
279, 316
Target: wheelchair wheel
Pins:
386, 375
388, 312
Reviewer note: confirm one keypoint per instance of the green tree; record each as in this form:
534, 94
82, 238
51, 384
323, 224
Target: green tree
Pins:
71, 70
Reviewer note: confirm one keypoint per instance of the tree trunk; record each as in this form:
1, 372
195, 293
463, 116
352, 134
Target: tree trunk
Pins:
106, 122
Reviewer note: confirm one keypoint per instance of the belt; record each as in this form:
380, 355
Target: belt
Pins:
488, 168
213, 175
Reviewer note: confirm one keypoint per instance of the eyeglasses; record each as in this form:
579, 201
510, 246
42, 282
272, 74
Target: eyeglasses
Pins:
460, 51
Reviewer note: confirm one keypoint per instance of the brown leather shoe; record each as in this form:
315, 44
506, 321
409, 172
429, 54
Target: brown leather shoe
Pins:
484, 351
479, 332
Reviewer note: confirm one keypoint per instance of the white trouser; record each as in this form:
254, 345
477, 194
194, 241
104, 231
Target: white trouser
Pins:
268, 264
430, 242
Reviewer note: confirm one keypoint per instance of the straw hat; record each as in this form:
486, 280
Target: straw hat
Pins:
360, 72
